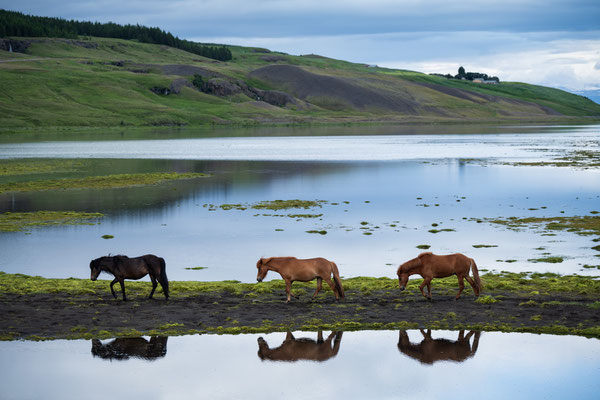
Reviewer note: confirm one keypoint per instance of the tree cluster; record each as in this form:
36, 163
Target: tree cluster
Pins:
474, 75
18, 24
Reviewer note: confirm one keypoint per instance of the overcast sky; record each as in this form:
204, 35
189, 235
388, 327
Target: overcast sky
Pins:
549, 42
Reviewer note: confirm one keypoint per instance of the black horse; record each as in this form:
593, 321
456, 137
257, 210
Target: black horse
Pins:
123, 267
126, 348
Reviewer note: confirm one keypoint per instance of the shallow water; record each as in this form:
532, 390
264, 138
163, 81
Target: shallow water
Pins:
366, 364
399, 185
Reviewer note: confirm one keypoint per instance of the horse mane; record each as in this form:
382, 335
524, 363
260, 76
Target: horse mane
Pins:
412, 264
265, 261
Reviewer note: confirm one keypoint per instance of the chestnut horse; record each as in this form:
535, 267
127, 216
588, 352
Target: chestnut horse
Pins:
430, 266
123, 267
293, 349
430, 350
292, 269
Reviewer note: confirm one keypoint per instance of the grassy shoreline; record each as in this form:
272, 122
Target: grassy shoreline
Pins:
81, 309
97, 182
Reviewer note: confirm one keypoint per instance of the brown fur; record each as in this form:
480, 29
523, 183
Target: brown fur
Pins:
432, 350
292, 269
293, 349
430, 266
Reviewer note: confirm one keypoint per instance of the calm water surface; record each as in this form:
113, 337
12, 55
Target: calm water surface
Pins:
383, 194
349, 365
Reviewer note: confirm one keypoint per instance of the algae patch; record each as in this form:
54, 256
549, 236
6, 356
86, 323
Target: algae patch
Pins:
97, 182
582, 225
26, 167
15, 222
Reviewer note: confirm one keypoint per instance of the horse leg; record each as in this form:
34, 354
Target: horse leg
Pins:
112, 290
122, 282
154, 284
288, 290
332, 286
319, 285
426, 281
472, 283
421, 286
461, 286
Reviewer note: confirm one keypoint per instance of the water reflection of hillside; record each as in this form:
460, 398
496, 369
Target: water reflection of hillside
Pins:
226, 177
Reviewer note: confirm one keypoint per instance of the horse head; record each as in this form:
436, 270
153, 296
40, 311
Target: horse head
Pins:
97, 265
402, 278
407, 269
261, 265
95, 269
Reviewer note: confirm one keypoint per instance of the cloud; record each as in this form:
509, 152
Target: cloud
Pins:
272, 18
551, 42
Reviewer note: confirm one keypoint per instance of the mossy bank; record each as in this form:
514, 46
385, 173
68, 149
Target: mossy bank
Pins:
36, 308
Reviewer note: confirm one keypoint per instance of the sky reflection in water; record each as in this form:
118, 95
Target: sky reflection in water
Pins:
213, 366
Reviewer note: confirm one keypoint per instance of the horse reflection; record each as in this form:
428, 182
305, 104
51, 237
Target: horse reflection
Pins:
293, 349
126, 348
431, 350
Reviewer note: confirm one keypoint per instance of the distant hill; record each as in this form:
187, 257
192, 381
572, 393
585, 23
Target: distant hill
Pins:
94, 81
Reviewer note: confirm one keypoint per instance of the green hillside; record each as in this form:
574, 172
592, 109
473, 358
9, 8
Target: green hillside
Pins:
101, 82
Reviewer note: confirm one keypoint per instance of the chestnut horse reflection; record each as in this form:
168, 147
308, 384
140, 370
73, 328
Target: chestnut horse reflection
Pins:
126, 348
293, 349
430, 266
431, 350
292, 269
123, 267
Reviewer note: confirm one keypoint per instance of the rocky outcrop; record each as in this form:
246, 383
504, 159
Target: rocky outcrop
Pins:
160, 90
178, 84
17, 46
274, 97
222, 87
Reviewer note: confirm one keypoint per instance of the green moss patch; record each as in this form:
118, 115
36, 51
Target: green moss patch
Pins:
286, 204
97, 182
14, 222
26, 167
552, 260
585, 225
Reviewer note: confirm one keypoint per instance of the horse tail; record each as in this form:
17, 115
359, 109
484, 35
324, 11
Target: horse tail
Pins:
164, 282
336, 279
476, 276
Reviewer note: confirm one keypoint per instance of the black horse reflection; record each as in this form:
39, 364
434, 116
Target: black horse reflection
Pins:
126, 348
431, 350
293, 349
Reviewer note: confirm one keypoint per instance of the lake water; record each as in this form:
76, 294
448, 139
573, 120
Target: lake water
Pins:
352, 365
383, 192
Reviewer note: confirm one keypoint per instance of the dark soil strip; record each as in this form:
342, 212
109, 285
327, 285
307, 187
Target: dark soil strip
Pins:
52, 316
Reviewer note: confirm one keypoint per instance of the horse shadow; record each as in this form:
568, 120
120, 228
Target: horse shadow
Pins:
126, 348
430, 350
293, 349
